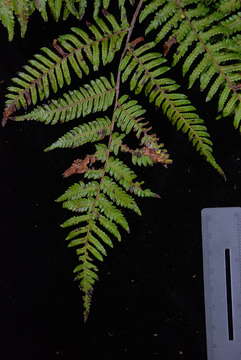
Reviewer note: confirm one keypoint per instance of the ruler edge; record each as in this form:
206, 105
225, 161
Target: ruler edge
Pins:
207, 310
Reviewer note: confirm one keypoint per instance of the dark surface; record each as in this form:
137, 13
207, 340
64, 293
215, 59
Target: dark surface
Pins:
149, 300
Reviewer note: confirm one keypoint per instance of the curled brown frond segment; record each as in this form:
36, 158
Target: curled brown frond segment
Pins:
80, 166
157, 156
136, 41
168, 45
9, 110
59, 49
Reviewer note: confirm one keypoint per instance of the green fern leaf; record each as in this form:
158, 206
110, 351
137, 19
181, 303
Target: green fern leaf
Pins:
101, 216
70, 5
102, 235
22, 10
121, 172
7, 17
118, 195
93, 174
147, 72
75, 234
41, 7
59, 9
55, 7
78, 191
141, 160
128, 117
82, 134
90, 98
97, 254
212, 59
111, 212
127, 178
52, 68
75, 220
110, 226
206, 40
78, 205
97, 244
229, 5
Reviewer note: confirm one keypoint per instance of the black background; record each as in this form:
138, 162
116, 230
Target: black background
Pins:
149, 300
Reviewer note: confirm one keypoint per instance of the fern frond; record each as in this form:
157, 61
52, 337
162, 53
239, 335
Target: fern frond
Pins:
128, 117
75, 8
109, 210
110, 226
122, 6
144, 70
55, 7
126, 178
116, 142
102, 235
74, 220
90, 98
121, 172
79, 190
89, 238
141, 160
101, 220
52, 68
58, 9
66, 7
41, 7
22, 10
79, 205
107, 189
118, 195
105, 4
7, 17
82, 134
98, 4
227, 6
206, 36
201, 40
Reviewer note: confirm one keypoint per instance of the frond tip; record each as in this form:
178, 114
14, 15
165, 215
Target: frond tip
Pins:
98, 201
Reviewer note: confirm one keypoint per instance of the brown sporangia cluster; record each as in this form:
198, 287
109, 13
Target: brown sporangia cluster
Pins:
80, 166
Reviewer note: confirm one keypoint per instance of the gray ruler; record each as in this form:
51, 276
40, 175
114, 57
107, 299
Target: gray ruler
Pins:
221, 234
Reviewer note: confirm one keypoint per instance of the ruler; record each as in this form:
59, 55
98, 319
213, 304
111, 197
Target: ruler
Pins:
221, 241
